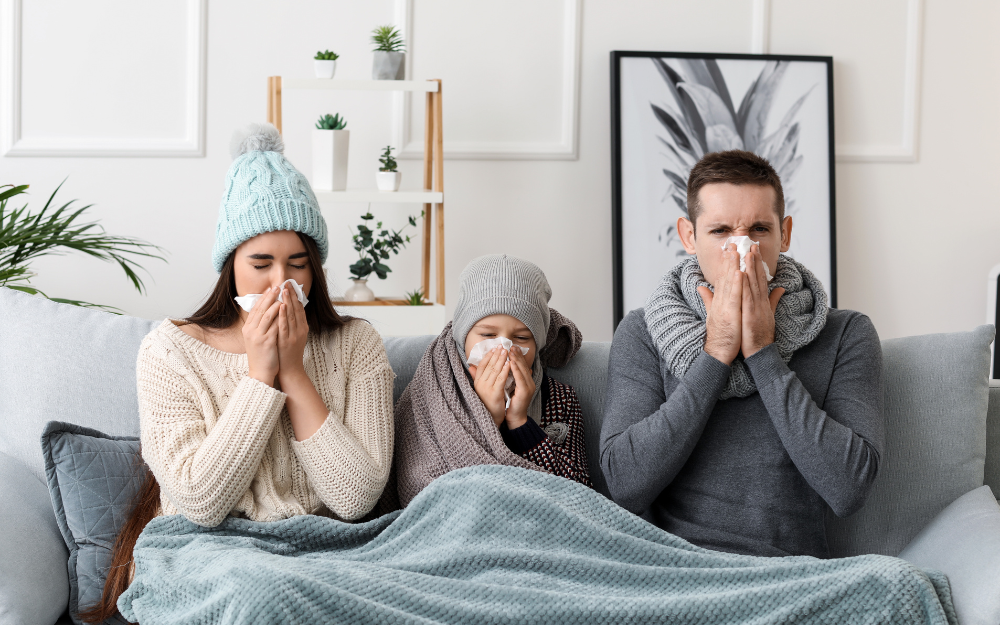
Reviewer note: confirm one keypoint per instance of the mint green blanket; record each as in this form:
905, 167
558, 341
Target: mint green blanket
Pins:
495, 544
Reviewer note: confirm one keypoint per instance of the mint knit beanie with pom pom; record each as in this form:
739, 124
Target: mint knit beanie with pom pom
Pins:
264, 193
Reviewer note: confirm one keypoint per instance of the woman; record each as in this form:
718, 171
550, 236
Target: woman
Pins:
454, 414
282, 410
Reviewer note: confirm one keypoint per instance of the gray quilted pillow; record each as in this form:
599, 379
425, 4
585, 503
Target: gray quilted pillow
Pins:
93, 479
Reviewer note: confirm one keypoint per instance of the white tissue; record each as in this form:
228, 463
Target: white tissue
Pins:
742, 247
479, 351
246, 302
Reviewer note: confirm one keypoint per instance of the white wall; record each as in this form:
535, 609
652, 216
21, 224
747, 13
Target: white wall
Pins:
916, 234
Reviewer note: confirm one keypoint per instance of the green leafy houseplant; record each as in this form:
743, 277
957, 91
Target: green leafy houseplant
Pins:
415, 297
387, 39
331, 122
387, 160
326, 56
25, 236
373, 246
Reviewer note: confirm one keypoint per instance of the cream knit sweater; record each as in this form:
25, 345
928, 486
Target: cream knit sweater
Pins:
220, 442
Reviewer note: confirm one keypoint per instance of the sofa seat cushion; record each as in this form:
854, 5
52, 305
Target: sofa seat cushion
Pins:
34, 587
963, 542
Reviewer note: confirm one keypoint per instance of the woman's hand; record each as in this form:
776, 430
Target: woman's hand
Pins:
524, 390
489, 378
260, 337
293, 331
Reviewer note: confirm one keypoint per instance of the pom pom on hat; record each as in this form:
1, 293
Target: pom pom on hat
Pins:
264, 193
256, 137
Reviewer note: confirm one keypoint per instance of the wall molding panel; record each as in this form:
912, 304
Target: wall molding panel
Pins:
907, 150
13, 143
567, 148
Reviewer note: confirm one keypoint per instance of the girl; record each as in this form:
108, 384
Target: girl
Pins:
454, 415
280, 410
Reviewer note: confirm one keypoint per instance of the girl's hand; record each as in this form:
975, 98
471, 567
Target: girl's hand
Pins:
260, 337
488, 379
524, 390
293, 331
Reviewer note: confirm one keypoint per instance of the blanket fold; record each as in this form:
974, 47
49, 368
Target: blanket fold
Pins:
502, 544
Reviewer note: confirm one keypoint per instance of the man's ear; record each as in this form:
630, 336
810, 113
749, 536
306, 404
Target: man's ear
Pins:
685, 230
786, 233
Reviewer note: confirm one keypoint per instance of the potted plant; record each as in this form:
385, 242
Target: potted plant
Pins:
325, 64
415, 297
330, 146
387, 178
26, 236
388, 62
373, 247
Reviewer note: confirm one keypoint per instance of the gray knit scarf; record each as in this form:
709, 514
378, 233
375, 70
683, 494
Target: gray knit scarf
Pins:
675, 316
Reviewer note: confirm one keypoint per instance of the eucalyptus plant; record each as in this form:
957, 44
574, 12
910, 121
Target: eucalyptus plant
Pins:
25, 236
373, 246
326, 56
387, 160
331, 122
387, 39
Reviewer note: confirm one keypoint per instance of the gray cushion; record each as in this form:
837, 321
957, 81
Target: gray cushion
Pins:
66, 363
963, 542
935, 408
587, 373
93, 479
33, 585
993, 439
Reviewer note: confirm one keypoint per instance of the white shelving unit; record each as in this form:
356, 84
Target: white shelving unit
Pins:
390, 316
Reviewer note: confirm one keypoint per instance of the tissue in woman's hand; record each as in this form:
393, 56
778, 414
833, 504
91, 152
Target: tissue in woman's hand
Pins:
742, 247
246, 302
479, 351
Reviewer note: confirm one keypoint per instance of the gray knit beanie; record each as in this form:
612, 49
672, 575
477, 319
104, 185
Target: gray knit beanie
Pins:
498, 284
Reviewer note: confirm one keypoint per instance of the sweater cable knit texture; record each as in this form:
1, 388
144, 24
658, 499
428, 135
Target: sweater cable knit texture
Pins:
220, 442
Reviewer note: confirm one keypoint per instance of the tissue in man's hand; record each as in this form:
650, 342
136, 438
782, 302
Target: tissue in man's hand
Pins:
479, 351
742, 247
246, 302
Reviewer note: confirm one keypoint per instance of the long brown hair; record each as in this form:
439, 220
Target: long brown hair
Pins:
219, 311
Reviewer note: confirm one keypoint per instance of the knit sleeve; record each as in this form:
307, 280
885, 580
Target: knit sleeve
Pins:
348, 459
203, 473
569, 459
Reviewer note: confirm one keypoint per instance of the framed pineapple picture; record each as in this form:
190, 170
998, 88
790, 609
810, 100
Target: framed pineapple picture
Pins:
668, 109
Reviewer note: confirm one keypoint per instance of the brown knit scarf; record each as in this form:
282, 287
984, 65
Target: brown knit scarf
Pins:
442, 425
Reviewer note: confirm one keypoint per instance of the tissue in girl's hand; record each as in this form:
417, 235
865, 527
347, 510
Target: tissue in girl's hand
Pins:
742, 247
246, 302
479, 351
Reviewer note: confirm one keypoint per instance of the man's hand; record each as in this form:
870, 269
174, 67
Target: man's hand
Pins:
488, 380
524, 390
758, 306
724, 325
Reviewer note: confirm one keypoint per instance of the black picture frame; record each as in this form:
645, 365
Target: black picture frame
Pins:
617, 243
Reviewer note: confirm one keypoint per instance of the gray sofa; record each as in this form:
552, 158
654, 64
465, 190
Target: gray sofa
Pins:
63, 363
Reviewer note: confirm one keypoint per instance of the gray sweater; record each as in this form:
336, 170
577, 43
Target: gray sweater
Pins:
751, 475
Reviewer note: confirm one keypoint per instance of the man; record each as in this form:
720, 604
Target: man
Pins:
739, 410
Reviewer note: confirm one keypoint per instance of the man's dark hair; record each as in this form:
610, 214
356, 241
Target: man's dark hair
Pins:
735, 167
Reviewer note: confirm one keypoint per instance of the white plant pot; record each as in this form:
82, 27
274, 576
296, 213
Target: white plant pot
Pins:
388, 65
388, 180
325, 69
359, 292
330, 149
